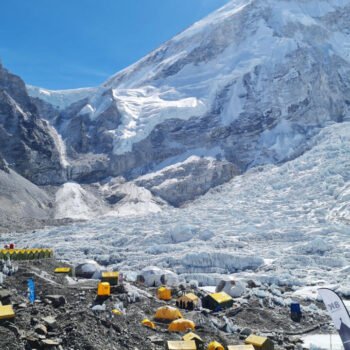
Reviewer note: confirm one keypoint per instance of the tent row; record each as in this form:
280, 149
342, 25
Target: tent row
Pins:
192, 341
190, 301
25, 254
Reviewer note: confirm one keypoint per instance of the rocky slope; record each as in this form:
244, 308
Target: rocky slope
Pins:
66, 314
27, 142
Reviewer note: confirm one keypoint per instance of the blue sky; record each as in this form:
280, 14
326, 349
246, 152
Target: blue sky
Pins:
75, 43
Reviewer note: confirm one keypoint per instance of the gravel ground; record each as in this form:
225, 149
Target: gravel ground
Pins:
77, 326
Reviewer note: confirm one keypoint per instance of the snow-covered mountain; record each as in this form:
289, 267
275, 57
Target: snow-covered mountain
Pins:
249, 85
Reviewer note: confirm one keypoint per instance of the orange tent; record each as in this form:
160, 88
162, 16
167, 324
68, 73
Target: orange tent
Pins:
148, 323
167, 313
164, 293
181, 325
215, 346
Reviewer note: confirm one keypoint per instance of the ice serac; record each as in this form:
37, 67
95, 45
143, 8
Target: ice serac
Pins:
248, 85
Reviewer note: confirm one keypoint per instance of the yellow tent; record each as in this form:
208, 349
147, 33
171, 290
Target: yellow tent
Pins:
186, 300
181, 345
259, 343
192, 336
62, 270
240, 347
116, 312
167, 313
217, 300
111, 277
164, 293
215, 346
181, 325
197, 339
103, 289
6, 312
148, 323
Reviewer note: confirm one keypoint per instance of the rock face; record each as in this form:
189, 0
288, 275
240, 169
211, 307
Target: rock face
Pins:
26, 141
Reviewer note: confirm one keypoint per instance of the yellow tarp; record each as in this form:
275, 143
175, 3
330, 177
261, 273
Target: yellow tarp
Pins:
164, 293
181, 325
221, 297
6, 312
189, 297
182, 345
215, 346
148, 323
192, 336
167, 313
255, 340
62, 270
110, 274
103, 289
240, 347
115, 311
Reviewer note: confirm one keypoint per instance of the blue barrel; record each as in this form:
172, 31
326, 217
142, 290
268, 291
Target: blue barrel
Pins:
295, 307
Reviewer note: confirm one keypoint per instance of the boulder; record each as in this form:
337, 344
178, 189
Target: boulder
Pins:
40, 329
246, 332
5, 296
56, 300
50, 322
48, 343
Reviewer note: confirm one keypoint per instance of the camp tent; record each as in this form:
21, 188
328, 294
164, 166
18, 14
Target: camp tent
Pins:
215, 346
181, 345
25, 254
111, 277
181, 325
64, 270
103, 289
197, 339
217, 300
36, 253
240, 347
148, 323
167, 313
164, 293
116, 312
12, 254
259, 343
6, 313
188, 301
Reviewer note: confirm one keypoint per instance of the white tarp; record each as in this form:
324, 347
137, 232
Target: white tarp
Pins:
339, 314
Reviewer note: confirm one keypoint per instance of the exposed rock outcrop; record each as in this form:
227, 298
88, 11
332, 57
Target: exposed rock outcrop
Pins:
26, 141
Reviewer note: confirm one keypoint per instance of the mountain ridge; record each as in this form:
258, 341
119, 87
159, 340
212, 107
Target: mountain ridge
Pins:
248, 85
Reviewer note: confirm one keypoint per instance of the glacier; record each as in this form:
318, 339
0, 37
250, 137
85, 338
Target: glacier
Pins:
266, 224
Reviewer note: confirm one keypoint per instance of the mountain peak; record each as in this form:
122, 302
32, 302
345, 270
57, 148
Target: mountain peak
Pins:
248, 85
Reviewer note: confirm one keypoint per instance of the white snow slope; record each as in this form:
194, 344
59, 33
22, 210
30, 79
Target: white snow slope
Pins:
183, 77
294, 217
